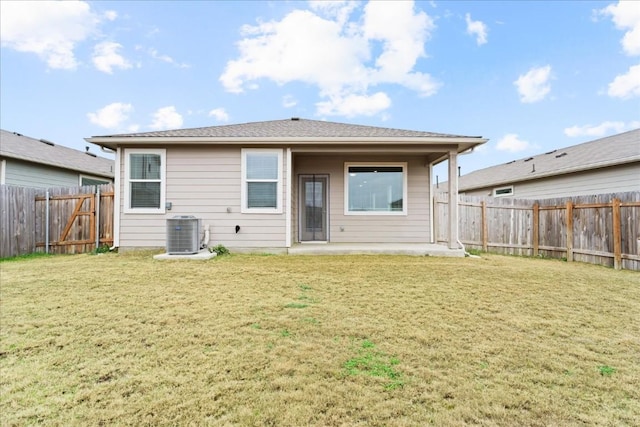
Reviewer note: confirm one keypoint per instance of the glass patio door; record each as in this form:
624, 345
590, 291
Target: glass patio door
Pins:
314, 211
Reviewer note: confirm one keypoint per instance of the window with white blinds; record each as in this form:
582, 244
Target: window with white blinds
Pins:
145, 181
261, 180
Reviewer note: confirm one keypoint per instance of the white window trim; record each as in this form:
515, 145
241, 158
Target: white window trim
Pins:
508, 187
163, 181
244, 208
405, 201
3, 171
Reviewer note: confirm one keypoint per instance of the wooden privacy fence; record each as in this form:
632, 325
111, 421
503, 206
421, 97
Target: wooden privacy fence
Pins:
55, 220
602, 229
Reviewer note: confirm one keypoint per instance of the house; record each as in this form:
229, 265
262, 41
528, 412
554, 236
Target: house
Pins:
605, 165
264, 186
39, 163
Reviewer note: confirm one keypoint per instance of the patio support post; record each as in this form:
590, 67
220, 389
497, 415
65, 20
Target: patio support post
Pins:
453, 199
117, 188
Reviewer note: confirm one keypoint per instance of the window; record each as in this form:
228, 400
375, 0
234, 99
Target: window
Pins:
503, 191
91, 180
375, 189
144, 180
261, 181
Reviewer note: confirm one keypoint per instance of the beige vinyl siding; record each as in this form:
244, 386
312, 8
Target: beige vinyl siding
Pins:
614, 179
27, 174
411, 228
205, 182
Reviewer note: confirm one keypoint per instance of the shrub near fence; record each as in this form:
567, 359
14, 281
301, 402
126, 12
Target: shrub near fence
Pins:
602, 229
78, 219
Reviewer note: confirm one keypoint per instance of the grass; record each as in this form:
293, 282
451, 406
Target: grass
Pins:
382, 340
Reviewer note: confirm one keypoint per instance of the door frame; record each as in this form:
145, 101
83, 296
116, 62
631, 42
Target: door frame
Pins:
301, 201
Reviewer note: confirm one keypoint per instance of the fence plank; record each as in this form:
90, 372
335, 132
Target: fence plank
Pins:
536, 225
617, 239
569, 231
17, 217
485, 232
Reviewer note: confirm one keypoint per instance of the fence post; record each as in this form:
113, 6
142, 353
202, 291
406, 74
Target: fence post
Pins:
569, 231
485, 227
46, 220
536, 228
617, 235
96, 213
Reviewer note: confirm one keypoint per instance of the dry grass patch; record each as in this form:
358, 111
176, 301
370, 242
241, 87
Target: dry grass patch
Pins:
344, 340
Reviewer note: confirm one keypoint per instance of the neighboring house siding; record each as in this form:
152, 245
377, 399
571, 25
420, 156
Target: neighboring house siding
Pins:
621, 178
411, 228
205, 182
28, 174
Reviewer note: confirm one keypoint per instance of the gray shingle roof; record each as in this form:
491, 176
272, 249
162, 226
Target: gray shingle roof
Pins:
603, 152
17, 146
292, 128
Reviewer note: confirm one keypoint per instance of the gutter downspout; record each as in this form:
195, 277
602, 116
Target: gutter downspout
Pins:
116, 200
432, 203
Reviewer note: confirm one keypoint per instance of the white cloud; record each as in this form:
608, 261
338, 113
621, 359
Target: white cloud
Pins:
626, 85
342, 56
166, 58
534, 85
354, 105
476, 28
334, 9
111, 116
111, 15
289, 101
220, 114
50, 29
166, 118
604, 128
106, 57
512, 143
626, 16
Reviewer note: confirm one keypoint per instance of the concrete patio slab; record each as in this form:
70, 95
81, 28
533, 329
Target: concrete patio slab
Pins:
204, 254
416, 249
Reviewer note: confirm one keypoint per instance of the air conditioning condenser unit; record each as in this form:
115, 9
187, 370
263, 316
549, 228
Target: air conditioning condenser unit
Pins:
183, 235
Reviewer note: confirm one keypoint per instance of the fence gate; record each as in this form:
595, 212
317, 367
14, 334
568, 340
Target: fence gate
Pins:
76, 222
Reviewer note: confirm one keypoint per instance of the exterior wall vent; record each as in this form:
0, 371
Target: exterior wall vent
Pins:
183, 235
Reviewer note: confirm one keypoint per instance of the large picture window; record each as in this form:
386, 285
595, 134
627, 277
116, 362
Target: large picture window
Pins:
144, 181
261, 181
376, 189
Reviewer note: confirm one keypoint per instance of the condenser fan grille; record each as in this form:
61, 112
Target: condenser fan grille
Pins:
183, 235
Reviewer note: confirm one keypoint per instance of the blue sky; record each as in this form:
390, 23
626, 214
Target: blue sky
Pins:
530, 76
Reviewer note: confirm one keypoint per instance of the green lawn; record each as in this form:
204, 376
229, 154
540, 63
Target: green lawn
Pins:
335, 340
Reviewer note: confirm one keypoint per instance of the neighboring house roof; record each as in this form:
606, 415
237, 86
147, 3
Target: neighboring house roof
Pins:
604, 152
16, 146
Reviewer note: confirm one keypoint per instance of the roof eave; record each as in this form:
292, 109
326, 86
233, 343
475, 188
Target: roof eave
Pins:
92, 172
113, 142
